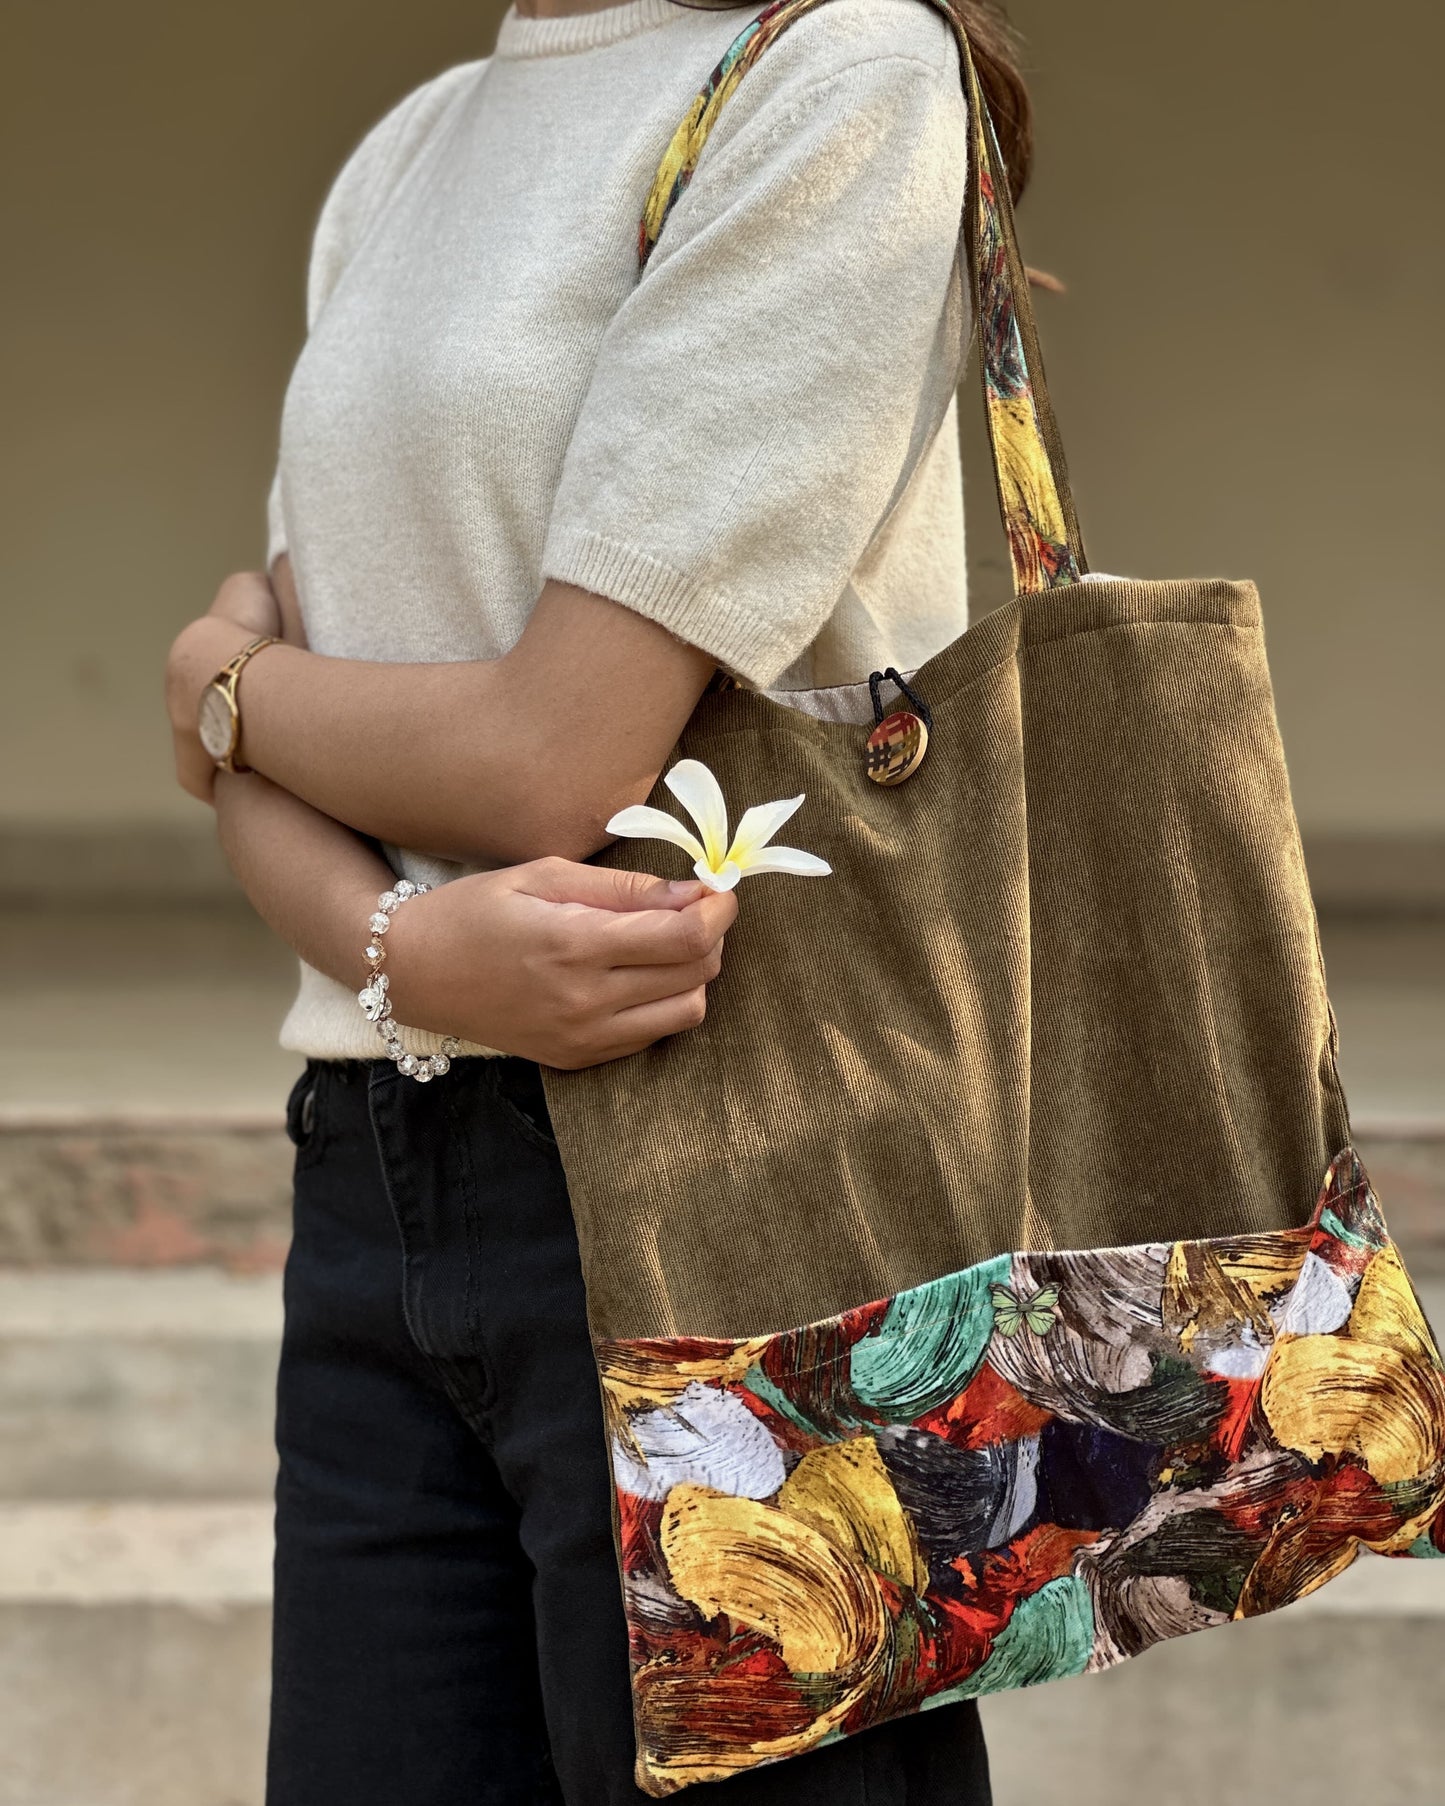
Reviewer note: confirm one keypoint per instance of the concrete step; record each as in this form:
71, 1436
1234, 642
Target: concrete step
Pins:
133, 1651
1305, 1709
133, 1705
164, 1706
134, 1633
155, 1385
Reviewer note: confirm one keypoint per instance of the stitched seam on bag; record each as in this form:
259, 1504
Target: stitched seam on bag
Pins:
1105, 628
697, 736
1304, 1233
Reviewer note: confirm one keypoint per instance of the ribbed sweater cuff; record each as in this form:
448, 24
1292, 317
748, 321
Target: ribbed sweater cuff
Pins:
325, 1023
700, 613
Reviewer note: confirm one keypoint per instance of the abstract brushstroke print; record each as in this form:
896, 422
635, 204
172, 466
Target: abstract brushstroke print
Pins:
1029, 501
1033, 1468
680, 158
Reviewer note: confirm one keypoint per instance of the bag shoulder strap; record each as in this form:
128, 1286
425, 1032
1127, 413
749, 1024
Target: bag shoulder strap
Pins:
1035, 501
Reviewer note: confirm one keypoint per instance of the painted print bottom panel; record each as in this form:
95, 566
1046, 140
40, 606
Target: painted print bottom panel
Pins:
1029, 1469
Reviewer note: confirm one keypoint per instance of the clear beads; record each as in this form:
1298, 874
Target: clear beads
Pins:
376, 1005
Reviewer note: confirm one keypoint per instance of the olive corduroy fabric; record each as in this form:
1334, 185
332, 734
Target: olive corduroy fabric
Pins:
1063, 990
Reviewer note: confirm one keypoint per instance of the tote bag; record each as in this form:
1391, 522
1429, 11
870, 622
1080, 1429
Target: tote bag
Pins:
988, 1289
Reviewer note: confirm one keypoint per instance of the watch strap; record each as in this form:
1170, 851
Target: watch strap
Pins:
238, 664
227, 679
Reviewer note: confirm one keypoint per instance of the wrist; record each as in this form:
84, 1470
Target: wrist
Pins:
197, 654
410, 947
375, 997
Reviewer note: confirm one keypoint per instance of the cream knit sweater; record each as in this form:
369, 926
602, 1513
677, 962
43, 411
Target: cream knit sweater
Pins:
753, 443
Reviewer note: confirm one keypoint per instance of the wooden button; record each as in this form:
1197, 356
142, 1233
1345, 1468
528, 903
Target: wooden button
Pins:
896, 748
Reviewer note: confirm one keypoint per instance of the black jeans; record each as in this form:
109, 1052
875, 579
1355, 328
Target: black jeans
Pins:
448, 1627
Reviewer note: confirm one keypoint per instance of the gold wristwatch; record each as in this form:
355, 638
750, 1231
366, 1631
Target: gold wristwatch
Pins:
220, 714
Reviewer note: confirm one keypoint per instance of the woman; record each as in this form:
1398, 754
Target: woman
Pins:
533, 501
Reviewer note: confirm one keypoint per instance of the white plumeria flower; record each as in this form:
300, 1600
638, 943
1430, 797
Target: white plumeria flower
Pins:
720, 863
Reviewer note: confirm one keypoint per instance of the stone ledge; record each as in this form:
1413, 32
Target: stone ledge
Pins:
136, 1553
152, 1191
143, 1193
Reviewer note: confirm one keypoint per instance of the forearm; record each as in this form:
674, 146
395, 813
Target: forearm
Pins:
395, 751
309, 878
500, 760
562, 963
566, 964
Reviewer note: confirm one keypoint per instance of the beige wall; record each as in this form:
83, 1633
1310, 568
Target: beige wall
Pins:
1247, 364
1244, 196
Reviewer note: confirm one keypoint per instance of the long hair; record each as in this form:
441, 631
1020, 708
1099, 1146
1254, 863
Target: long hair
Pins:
996, 48
995, 45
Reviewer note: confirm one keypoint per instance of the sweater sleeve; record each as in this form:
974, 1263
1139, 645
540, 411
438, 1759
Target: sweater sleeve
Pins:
369, 175
763, 395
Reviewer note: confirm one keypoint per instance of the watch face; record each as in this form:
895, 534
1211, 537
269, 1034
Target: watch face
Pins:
217, 722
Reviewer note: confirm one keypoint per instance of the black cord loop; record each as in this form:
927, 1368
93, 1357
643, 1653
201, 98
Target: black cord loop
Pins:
900, 683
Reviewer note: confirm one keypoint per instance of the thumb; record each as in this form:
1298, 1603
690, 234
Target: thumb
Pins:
600, 887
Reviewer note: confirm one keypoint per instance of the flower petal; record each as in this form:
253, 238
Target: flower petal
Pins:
760, 824
787, 859
641, 823
701, 795
726, 879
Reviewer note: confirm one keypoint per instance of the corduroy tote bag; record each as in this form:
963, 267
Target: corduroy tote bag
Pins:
988, 1289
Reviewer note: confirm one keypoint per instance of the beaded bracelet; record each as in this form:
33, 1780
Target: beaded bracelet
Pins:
376, 1005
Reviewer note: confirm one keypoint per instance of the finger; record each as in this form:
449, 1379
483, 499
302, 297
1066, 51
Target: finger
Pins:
600, 887
634, 1029
668, 938
629, 986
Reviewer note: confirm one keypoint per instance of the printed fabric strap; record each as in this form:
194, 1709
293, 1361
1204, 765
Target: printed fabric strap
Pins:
1045, 546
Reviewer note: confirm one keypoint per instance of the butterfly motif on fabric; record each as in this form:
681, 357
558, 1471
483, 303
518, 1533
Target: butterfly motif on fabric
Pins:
1011, 1313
